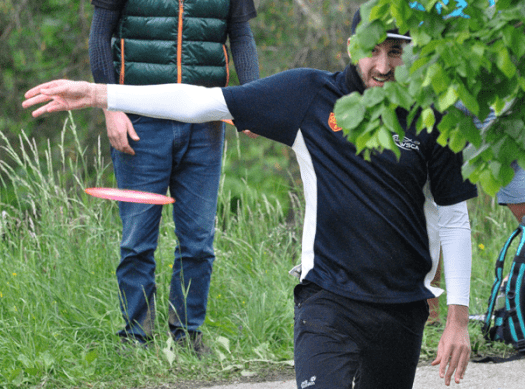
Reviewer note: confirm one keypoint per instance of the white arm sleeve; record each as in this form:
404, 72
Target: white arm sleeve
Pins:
181, 102
455, 238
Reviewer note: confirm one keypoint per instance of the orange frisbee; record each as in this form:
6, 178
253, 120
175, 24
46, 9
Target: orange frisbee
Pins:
131, 196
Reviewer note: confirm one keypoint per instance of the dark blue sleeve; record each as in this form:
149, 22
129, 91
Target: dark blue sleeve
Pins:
242, 11
244, 52
276, 106
109, 4
100, 55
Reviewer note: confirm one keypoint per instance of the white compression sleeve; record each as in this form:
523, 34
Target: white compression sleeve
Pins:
181, 102
454, 234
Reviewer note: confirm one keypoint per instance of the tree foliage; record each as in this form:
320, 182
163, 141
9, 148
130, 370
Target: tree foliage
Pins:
477, 57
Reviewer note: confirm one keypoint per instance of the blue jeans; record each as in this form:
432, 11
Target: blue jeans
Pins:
186, 158
338, 340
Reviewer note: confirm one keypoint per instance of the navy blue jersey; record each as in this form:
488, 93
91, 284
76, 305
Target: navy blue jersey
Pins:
364, 231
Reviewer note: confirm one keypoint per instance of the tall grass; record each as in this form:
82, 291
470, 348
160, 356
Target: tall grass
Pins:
58, 293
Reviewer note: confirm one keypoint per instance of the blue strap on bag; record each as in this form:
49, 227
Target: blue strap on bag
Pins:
506, 323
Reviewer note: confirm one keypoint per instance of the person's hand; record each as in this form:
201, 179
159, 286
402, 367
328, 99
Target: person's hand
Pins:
119, 127
454, 345
250, 134
65, 95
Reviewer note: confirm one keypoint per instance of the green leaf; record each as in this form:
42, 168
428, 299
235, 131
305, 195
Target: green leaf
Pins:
514, 128
489, 184
356, 51
385, 138
373, 96
391, 121
447, 99
398, 95
499, 148
470, 131
440, 80
349, 111
431, 47
521, 82
468, 100
429, 4
457, 141
379, 11
368, 133
467, 171
504, 63
369, 35
420, 38
419, 63
505, 174
401, 12
366, 10
428, 119
498, 104
473, 170
402, 74
224, 342
387, 142
513, 38
495, 167
362, 141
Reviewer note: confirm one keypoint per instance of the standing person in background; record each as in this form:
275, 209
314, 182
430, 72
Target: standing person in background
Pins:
138, 42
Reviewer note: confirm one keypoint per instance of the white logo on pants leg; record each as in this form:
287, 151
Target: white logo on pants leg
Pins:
306, 384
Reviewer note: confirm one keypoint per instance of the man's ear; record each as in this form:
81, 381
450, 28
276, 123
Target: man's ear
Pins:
348, 47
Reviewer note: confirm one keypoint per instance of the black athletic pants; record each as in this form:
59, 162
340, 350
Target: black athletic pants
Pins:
338, 340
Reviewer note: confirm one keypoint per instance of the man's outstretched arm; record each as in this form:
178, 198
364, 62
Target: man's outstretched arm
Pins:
182, 102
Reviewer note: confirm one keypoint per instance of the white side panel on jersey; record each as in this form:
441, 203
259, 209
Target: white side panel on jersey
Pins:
432, 217
310, 193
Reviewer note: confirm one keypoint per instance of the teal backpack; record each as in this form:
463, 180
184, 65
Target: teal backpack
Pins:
505, 317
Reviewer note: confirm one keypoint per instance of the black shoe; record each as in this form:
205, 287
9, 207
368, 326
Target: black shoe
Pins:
194, 342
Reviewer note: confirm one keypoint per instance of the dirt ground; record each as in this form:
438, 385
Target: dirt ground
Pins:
265, 375
508, 375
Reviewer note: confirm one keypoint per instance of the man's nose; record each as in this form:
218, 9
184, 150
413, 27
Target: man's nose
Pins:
383, 63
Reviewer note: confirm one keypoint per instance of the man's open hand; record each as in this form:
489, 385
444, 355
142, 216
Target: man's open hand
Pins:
65, 95
454, 345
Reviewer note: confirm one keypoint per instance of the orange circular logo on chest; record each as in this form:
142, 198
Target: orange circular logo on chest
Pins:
333, 123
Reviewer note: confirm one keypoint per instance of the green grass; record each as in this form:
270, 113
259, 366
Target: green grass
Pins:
58, 293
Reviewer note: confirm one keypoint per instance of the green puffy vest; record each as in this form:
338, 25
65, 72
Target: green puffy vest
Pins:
172, 41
